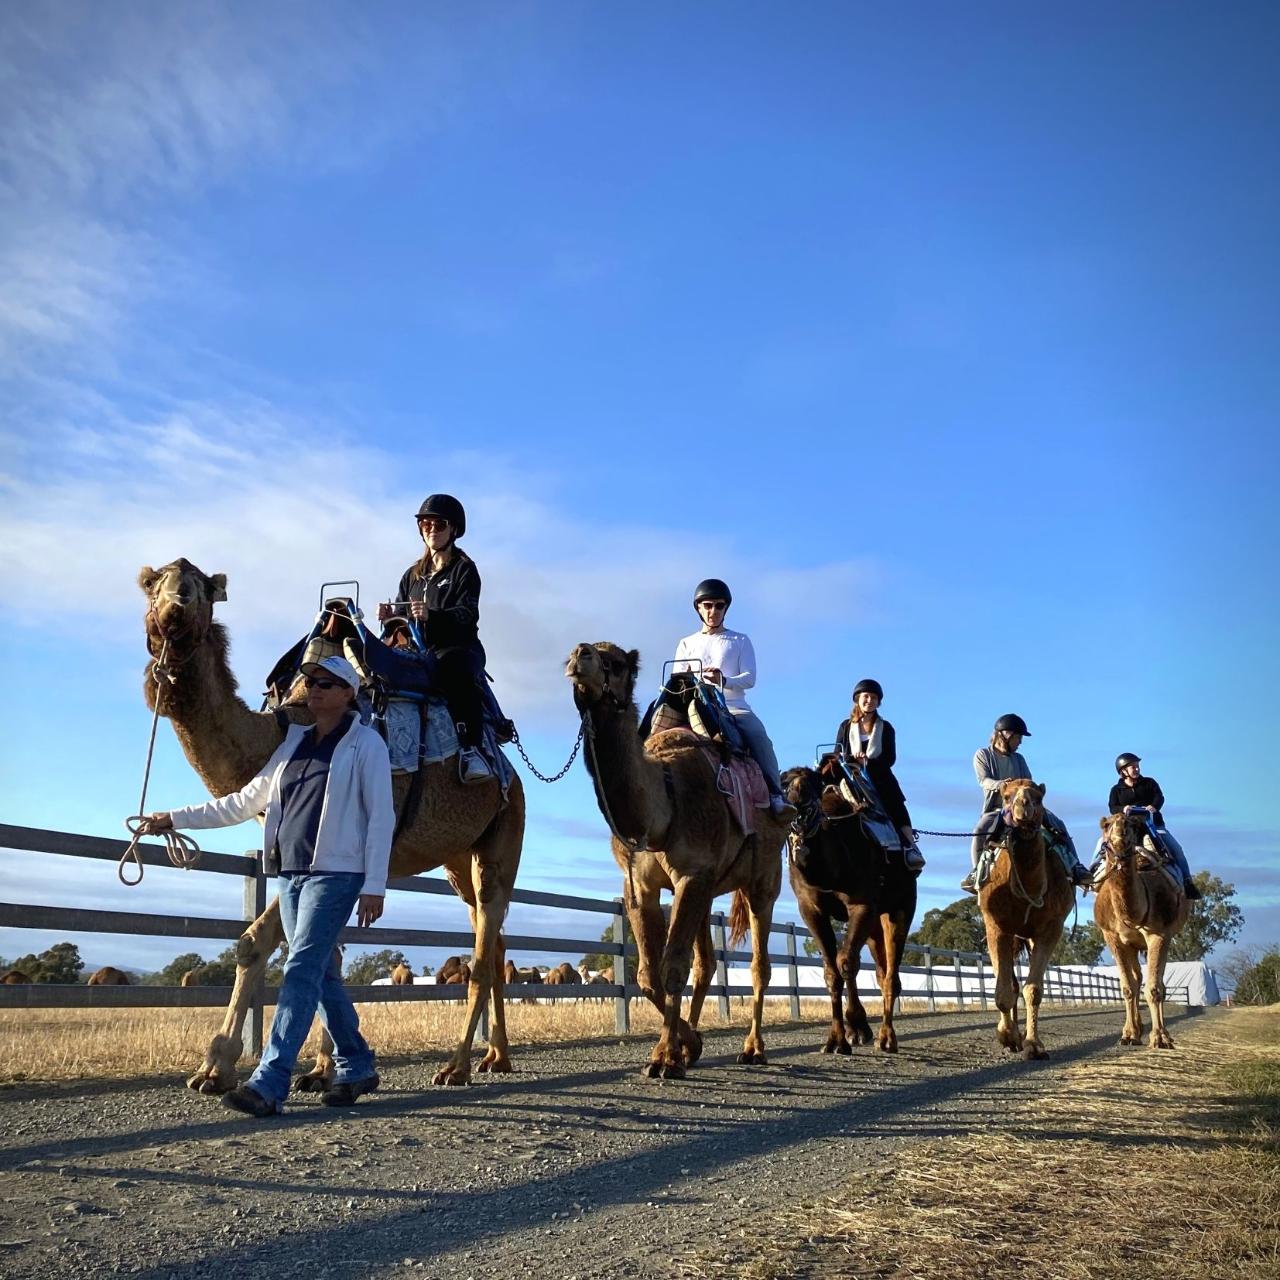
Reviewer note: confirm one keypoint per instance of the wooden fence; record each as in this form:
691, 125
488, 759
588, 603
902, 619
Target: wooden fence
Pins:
964, 979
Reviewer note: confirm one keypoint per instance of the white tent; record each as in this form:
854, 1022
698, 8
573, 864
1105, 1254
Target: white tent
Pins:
1192, 977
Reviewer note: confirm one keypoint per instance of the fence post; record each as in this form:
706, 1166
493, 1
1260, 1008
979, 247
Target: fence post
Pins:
621, 1006
793, 972
928, 976
959, 982
255, 903
982, 981
722, 946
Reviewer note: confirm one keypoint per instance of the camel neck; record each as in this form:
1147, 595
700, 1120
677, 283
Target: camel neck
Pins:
628, 781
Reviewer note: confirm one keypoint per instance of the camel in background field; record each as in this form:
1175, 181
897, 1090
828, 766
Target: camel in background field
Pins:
14, 977
402, 976
1139, 907
468, 830
661, 797
1026, 899
108, 976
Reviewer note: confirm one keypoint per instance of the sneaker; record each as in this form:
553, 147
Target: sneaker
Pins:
779, 807
251, 1102
473, 767
1081, 876
967, 884
345, 1092
914, 858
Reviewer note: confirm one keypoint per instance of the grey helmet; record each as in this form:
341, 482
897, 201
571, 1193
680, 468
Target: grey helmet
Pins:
868, 686
445, 506
1126, 758
1013, 724
712, 589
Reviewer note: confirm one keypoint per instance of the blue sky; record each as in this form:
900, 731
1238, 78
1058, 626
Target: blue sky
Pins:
946, 336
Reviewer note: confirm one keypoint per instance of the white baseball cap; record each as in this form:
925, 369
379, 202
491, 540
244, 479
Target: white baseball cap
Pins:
335, 665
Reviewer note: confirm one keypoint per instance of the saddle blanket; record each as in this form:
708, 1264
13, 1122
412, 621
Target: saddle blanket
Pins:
409, 744
742, 784
987, 858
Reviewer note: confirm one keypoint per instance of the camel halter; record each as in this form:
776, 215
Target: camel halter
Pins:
182, 849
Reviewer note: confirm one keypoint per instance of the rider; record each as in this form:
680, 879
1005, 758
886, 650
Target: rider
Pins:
441, 593
729, 660
1134, 791
868, 740
993, 765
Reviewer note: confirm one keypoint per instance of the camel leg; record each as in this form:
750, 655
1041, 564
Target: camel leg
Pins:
257, 944
819, 925
704, 969
649, 930
861, 922
888, 943
320, 1077
1130, 982
690, 908
1000, 947
498, 1057
761, 909
1156, 944
1041, 949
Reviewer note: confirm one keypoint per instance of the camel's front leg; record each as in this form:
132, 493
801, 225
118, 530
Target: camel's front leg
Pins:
257, 944
320, 1077
1130, 982
498, 1057
861, 922
761, 908
704, 969
819, 924
888, 944
1156, 944
1032, 990
490, 898
689, 911
649, 930
1000, 948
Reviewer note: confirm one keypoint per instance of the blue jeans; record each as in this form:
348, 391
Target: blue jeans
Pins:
314, 907
757, 739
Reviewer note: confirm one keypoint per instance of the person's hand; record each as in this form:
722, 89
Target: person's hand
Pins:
369, 909
384, 610
713, 674
154, 823
418, 609
1128, 809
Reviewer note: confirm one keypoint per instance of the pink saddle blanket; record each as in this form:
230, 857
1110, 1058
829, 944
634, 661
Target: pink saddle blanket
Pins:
742, 784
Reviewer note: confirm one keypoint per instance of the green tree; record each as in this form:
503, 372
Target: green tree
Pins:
171, 974
61, 963
377, 964
956, 927
1084, 947
1213, 920
598, 960
1256, 974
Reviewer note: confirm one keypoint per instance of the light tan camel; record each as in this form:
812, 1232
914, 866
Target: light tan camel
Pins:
1026, 900
402, 976
563, 975
1139, 908
109, 976
467, 830
662, 797
191, 978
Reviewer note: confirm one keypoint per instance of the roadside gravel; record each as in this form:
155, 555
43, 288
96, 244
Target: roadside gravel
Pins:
576, 1166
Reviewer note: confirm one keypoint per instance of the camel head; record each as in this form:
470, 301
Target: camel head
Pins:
602, 674
1121, 836
180, 600
1023, 802
802, 787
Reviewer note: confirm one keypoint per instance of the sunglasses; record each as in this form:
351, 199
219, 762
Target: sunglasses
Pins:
318, 682
432, 526
712, 604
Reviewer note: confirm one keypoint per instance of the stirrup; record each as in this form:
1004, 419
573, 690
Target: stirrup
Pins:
473, 768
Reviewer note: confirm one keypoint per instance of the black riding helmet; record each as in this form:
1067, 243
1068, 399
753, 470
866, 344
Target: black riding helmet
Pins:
868, 686
712, 589
445, 507
1013, 724
1124, 758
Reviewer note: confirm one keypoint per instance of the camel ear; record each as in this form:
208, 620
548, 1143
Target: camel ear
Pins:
146, 579
633, 662
1104, 823
1041, 788
217, 587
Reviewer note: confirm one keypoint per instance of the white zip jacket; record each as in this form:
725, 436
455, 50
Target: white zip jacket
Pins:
357, 818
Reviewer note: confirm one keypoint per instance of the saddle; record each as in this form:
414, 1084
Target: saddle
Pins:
859, 792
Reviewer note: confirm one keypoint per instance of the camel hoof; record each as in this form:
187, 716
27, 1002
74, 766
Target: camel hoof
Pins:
452, 1076
209, 1086
751, 1058
652, 1070
845, 1050
311, 1082
496, 1066
673, 1071
1128, 1040
1034, 1053
1162, 1042
887, 1045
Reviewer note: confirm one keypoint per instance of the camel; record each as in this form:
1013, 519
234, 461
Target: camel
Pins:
468, 830
563, 975
672, 830
1139, 907
402, 976
14, 977
837, 869
191, 978
109, 976
454, 972
1026, 900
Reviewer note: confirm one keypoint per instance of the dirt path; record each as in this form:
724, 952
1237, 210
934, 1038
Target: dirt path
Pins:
576, 1166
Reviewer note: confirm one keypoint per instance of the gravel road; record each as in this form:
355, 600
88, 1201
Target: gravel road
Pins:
576, 1166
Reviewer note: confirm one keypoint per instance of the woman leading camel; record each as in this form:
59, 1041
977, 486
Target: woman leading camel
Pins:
329, 817
997, 763
441, 592
869, 740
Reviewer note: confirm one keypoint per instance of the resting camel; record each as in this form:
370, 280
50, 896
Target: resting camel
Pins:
108, 976
838, 870
1139, 908
402, 976
660, 799
1026, 900
467, 830
14, 977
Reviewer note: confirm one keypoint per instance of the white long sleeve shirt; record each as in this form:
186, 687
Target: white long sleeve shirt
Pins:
731, 653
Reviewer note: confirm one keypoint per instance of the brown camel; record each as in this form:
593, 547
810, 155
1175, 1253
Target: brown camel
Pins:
1026, 900
109, 976
1139, 908
660, 799
563, 975
14, 977
191, 978
402, 976
467, 830
838, 870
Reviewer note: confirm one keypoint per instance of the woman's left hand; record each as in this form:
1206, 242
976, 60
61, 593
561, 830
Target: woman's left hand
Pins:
369, 909
418, 609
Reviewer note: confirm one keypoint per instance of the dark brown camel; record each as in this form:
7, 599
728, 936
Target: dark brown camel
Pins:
838, 871
14, 978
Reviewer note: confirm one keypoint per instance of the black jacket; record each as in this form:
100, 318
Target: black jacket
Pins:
452, 597
880, 769
1147, 791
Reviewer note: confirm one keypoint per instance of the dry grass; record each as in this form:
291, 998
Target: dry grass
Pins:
71, 1044
1140, 1165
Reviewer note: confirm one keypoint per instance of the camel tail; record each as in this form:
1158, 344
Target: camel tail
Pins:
739, 918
